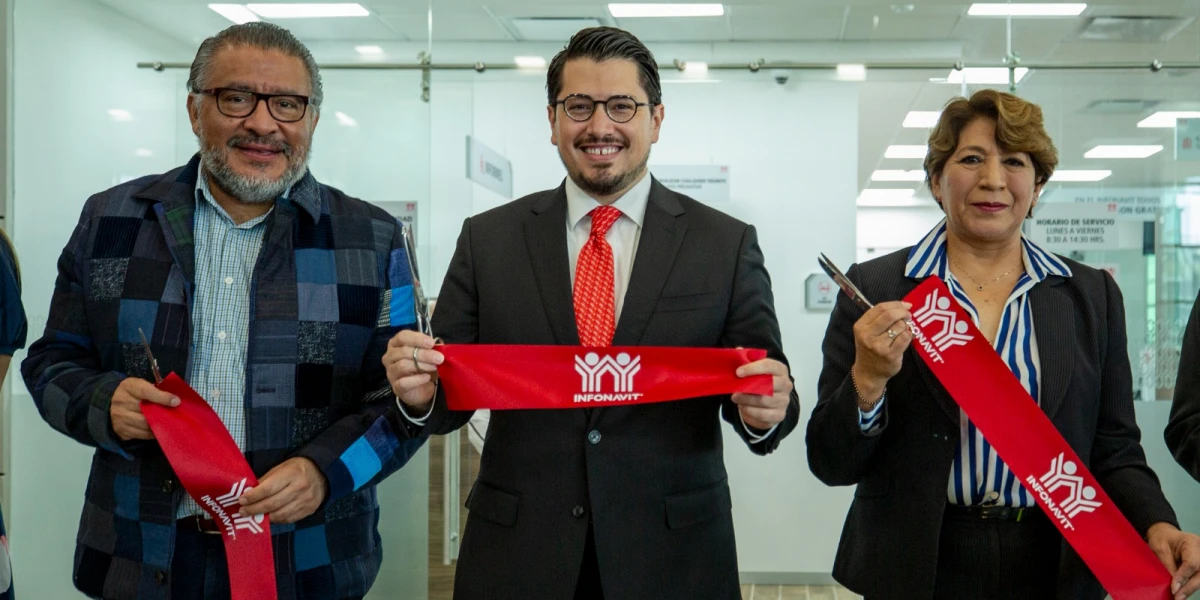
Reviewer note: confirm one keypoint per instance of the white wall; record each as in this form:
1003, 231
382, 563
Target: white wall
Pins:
792, 173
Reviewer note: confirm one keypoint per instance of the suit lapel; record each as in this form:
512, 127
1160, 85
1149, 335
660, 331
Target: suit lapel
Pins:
175, 205
1054, 326
546, 240
662, 234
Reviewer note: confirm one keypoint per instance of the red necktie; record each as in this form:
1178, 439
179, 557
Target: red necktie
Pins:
595, 304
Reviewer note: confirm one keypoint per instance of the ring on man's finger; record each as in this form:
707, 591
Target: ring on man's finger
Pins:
416, 364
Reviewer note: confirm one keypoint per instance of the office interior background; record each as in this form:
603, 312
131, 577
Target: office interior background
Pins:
819, 110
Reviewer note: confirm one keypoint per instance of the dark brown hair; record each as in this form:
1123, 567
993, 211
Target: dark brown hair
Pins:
1019, 128
601, 44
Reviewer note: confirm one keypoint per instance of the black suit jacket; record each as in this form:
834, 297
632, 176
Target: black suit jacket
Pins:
1183, 430
653, 484
889, 544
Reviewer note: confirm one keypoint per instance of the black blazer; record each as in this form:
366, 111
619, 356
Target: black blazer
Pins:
1183, 430
650, 478
889, 544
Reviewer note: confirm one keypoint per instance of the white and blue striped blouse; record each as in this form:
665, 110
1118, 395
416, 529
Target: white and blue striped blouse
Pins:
978, 475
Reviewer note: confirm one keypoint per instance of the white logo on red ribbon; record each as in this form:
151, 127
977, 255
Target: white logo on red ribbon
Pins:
233, 523
593, 370
937, 310
1080, 496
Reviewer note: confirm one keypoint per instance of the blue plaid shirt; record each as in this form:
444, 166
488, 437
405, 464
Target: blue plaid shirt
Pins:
330, 287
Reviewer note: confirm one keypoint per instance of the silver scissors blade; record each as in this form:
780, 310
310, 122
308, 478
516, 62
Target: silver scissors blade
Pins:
150, 355
420, 303
844, 282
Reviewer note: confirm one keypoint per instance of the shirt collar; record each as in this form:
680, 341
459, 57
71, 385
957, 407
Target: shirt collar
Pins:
632, 204
928, 258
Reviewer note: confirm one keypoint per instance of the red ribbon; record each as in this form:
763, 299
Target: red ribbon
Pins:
479, 376
995, 401
214, 472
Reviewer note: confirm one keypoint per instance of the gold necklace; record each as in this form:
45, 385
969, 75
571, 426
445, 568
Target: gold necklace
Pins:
979, 286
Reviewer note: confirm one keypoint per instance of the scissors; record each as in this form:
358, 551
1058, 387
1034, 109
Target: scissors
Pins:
150, 355
844, 282
421, 304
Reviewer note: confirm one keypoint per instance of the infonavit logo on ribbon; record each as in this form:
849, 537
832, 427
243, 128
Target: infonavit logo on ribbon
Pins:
953, 332
592, 369
1080, 496
233, 523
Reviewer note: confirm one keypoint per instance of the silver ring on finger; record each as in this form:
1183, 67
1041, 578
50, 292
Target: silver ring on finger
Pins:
892, 334
416, 365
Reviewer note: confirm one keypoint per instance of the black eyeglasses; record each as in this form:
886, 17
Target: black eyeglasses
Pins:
285, 108
579, 107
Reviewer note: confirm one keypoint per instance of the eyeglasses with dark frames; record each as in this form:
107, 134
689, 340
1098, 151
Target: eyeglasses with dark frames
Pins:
621, 109
285, 108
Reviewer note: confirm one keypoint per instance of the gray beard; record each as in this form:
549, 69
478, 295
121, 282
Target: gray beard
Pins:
252, 190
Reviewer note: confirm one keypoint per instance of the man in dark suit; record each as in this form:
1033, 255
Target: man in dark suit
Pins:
1183, 430
616, 502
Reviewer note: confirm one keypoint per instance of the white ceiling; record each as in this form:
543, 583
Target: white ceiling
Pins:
885, 98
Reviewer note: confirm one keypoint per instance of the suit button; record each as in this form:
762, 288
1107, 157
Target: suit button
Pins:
168, 486
577, 512
594, 438
160, 577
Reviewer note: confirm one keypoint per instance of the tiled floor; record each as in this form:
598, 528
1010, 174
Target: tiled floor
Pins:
797, 592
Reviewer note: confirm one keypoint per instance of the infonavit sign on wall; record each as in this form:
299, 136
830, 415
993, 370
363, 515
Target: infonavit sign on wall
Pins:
489, 168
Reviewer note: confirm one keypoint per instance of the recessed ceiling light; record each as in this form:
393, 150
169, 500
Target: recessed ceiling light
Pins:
852, 72
120, 114
1166, 118
308, 11
237, 13
530, 62
143, 152
369, 50
1123, 151
1069, 175
898, 175
906, 151
345, 120
1026, 10
884, 197
621, 11
921, 119
985, 75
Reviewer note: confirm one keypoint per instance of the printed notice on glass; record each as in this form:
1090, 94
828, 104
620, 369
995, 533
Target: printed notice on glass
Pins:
489, 168
703, 183
1065, 227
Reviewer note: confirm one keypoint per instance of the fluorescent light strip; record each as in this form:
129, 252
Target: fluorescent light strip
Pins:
308, 11
120, 114
530, 62
693, 67
234, 12
1026, 10
898, 175
621, 11
921, 119
1123, 151
1166, 118
345, 119
905, 151
985, 75
851, 72
1076, 175
369, 50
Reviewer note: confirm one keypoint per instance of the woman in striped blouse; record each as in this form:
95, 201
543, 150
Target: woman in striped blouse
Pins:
937, 513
